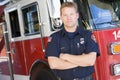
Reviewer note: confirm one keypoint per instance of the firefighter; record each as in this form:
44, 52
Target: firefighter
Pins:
72, 51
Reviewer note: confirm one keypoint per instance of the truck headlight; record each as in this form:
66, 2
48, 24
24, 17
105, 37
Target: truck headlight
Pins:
116, 69
115, 48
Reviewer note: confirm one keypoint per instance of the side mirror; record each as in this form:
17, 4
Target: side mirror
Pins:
57, 23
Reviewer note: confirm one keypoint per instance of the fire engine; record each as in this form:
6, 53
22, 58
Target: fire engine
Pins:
29, 23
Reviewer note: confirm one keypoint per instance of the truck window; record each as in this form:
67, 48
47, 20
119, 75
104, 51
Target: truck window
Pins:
30, 17
14, 24
102, 14
83, 13
116, 6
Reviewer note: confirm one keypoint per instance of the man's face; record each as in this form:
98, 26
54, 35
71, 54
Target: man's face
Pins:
69, 16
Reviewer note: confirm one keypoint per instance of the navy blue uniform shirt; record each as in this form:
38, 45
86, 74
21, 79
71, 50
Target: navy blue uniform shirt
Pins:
73, 43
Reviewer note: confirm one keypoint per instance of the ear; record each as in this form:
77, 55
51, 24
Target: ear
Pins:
61, 17
77, 15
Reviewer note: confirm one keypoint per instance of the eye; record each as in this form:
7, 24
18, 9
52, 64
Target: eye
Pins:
64, 15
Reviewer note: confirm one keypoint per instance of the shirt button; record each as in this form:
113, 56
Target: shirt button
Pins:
76, 79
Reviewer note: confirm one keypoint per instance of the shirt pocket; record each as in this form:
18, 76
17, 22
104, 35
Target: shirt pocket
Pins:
64, 47
80, 48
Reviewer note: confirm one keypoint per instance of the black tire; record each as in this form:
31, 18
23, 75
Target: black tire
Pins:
42, 73
45, 74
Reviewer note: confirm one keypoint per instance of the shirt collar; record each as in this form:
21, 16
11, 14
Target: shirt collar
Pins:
79, 30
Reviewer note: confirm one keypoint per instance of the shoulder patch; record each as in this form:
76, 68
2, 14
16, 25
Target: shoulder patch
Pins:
93, 37
49, 39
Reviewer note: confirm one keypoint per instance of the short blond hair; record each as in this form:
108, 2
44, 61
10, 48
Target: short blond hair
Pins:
68, 4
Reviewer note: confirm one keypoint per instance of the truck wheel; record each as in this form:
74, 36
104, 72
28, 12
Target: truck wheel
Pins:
43, 73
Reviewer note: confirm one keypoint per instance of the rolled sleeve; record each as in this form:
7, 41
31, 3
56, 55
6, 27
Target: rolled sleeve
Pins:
91, 45
52, 47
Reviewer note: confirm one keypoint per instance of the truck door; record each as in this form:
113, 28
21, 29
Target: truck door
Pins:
102, 18
18, 57
33, 42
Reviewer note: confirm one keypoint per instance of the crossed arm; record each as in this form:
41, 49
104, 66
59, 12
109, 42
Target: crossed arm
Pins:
67, 61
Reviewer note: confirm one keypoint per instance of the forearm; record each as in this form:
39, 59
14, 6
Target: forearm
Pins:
57, 63
81, 60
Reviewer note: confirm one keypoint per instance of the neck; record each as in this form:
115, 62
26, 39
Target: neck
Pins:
70, 29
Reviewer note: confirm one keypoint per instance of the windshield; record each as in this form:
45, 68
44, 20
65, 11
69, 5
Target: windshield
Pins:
104, 14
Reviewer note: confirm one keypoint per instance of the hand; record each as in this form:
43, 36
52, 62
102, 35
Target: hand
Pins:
64, 56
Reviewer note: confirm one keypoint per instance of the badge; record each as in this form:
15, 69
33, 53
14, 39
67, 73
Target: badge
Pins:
82, 41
